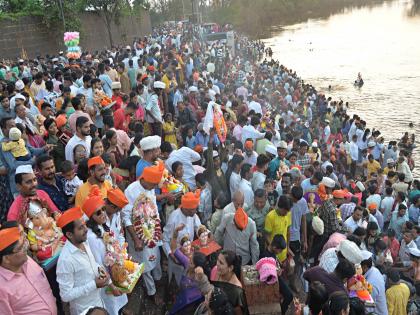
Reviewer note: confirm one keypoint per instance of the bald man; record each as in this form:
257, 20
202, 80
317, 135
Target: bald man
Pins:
238, 201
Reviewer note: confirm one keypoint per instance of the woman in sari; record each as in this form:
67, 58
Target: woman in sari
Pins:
226, 276
190, 296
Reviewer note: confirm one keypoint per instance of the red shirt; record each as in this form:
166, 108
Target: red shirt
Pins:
13, 213
118, 102
121, 120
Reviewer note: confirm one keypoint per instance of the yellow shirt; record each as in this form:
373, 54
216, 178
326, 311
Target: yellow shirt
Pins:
169, 132
397, 298
84, 190
387, 169
168, 82
372, 167
17, 148
277, 224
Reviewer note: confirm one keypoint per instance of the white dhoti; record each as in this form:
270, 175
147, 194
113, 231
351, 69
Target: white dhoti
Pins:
151, 259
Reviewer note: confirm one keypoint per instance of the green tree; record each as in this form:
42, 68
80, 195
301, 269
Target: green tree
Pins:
110, 11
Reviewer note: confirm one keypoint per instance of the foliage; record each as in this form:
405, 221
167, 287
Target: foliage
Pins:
64, 15
251, 16
48, 10
110, 11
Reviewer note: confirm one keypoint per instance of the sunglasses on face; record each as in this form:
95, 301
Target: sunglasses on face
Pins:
99, 212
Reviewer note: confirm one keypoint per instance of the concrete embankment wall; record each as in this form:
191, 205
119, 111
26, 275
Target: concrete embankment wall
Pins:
30, 34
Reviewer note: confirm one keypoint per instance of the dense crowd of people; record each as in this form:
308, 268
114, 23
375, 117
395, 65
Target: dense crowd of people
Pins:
201, 162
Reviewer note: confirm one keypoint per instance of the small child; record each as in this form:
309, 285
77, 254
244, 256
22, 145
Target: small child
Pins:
190, 138
272, 193
16, 146
169, 129
293, 159
71, 181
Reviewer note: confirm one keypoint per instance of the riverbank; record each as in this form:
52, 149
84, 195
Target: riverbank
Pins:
256, 17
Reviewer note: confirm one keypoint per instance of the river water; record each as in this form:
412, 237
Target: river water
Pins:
382, 42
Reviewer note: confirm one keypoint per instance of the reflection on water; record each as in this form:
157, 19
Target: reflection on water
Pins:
415, 8
382, 42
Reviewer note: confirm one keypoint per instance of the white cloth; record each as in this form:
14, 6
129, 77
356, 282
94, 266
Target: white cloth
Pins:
176, 218
252, 133
255, 106
234, 181
112, 303
246, 188
351, 224
354, 151
76, 273
132, 192
73, 142
115, 225
153, 107
186, 156
257, 181
252, 160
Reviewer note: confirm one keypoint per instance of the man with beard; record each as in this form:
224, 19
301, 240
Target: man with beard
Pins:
82, 137
51, 183
28, 195
132, 216
79, 276
97, 172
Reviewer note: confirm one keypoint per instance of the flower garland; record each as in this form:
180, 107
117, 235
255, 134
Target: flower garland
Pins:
146, 221
219, 123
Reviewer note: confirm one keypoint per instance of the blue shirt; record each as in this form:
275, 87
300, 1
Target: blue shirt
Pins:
106, 84
203, 140
141, 165
56, 193
190, 142
299, 209
413, 214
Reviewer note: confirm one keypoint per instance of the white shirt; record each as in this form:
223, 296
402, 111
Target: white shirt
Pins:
176, 218
386, 207
354, 151
115, 225
255, 106
351, 224
257, 181
216, 89
252, 160
132, 192
246, 188
112, 303
186, 156
234, 181
249, 131
76, 273
73, 142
